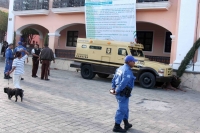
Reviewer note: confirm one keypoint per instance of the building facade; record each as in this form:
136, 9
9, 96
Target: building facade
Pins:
166, 28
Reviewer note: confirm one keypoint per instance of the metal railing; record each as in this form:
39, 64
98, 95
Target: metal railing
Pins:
68, 3
21, 5
78, 3
140, 1
62, 53
4, 3
160, 59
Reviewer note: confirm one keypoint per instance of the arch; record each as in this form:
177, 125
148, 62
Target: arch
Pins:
57, 32
165, 27
18, 31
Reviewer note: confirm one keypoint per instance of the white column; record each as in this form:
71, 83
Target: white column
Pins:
172, 50
197, 64
53, 40
186, 29
11, 23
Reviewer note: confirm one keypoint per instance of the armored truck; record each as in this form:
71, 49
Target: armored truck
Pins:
103, 57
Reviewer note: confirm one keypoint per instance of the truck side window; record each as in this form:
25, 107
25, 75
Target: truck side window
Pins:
96, 47
122, 51
133, 52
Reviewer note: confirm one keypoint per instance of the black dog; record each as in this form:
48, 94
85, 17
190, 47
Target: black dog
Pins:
11, 92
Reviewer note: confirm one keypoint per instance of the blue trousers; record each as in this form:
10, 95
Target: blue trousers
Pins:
8, 66
123, 109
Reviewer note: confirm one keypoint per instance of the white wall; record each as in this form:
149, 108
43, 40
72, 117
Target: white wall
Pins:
186, 29
11, 20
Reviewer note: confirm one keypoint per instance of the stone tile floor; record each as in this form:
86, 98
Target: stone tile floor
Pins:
69, 104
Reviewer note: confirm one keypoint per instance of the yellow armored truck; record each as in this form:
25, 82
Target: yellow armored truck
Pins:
103, 57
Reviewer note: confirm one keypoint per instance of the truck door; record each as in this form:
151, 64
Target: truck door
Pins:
105, 59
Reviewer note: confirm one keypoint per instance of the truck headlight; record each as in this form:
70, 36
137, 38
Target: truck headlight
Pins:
161, 72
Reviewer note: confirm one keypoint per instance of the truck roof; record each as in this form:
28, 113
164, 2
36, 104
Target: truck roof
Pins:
109, 43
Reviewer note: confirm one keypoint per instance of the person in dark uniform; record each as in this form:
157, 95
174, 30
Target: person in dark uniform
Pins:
46, 57
5, 46
122, 84
9, 56
35, 52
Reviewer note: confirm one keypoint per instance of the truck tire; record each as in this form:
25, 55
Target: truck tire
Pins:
147, 80
86, 72
101, 75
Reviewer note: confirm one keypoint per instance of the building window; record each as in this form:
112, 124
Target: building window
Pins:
168, 42
72, 37
145, 38
122, 51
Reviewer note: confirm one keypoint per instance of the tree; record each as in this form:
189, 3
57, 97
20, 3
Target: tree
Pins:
46, 40
3, 25
189, 56
29, 34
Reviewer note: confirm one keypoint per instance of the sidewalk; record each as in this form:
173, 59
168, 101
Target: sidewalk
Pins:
61, 64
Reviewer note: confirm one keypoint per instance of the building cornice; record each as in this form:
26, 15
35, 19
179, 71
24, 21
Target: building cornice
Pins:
31, 12
68, 10
165, 5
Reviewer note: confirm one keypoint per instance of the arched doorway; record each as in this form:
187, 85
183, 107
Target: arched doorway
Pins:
68, 38
39, 38
156, 41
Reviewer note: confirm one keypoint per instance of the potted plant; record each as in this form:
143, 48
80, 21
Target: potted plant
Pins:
175, 81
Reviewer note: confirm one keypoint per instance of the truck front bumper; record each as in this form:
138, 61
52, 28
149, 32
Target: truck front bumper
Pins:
75, 65
163, 79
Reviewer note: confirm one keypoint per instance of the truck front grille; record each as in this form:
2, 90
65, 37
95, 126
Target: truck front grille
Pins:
169, 71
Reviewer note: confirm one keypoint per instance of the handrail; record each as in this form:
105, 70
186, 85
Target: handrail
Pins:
21, 5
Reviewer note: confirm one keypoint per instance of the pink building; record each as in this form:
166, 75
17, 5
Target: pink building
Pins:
166, 28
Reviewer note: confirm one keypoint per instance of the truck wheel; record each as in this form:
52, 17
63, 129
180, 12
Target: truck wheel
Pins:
103, 75
86, 72
147, 80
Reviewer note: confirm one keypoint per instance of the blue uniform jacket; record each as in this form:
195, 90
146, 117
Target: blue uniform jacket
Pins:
9, 54
123, 77
18, 48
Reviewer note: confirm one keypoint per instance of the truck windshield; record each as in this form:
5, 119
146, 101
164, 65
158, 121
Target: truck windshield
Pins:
138, 53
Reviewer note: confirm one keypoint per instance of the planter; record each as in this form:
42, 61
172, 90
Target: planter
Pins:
175, 82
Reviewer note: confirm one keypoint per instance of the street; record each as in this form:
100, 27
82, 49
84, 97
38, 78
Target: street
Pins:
70, 104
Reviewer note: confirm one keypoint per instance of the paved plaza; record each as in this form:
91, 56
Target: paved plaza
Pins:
69, 104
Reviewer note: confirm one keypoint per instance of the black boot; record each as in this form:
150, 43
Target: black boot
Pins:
117, 128
126, 124
6, 76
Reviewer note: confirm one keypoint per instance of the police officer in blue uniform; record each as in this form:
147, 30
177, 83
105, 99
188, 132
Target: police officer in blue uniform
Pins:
9, 56
122, 84
20, 47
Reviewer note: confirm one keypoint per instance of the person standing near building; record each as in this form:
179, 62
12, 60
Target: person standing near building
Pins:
122, 84
9, 56
18, 67
35, 52
5, 46
22, 49
46, 57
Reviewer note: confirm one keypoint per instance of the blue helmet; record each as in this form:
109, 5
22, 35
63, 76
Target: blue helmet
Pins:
129, 58
20, 43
